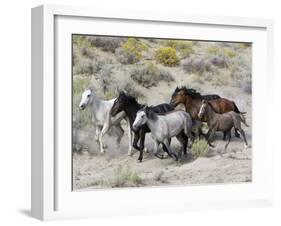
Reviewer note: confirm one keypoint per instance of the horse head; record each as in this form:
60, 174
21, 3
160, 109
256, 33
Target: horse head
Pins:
178, 97
86, 98
141, 118
118, 104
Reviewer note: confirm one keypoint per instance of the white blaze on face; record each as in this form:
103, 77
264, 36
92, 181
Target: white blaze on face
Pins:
85, 99
201, 112
140, 119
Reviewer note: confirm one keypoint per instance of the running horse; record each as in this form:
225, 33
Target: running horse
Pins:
193, 101
129, 105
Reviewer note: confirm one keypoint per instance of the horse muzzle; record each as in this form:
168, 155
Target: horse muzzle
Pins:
82, 107
113, 112
135, 128
173, 104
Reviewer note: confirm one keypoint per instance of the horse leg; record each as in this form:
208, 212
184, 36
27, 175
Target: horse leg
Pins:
117, 118
142, 140
228, 133
187, 131
129, 136
120, 133
244, 136
136, 139
236, 133
156, 148
98, 129
105, 128
183, 141
165, 150
169, 151
212, 132
224, 135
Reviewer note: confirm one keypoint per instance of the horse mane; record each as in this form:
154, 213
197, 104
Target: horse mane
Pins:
150, 113
211, 106
130, 99
191, 92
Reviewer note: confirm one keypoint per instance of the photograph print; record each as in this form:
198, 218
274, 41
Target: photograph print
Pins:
152, 112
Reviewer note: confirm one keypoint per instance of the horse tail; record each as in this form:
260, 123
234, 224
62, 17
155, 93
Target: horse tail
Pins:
237, 110
243, 119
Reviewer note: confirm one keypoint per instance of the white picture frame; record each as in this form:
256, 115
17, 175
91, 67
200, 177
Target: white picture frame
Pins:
52, 197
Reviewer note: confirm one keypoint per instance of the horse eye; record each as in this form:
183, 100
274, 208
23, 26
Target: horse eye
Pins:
89, 95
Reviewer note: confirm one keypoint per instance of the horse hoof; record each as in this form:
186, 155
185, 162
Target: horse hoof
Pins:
145, 150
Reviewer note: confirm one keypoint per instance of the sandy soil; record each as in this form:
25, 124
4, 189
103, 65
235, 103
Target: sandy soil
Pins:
232, 167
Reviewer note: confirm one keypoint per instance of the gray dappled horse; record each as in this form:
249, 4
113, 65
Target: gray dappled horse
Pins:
165, 126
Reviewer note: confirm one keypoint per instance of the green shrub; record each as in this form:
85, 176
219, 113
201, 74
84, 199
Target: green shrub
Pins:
167, 56
185, 48
124, 176
199, 148
149, 74
213, 50
131, 51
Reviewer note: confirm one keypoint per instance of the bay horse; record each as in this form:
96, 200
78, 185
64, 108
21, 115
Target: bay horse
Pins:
101, 118
193, 101
222, 122
165, 126
130, 106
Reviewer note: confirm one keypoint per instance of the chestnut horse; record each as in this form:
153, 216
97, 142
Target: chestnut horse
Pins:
193, 101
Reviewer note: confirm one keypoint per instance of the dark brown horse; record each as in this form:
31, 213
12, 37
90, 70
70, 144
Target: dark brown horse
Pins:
193, 101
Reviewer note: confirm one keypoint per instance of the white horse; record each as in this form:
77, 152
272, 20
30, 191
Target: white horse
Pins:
100, 110
165, 126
